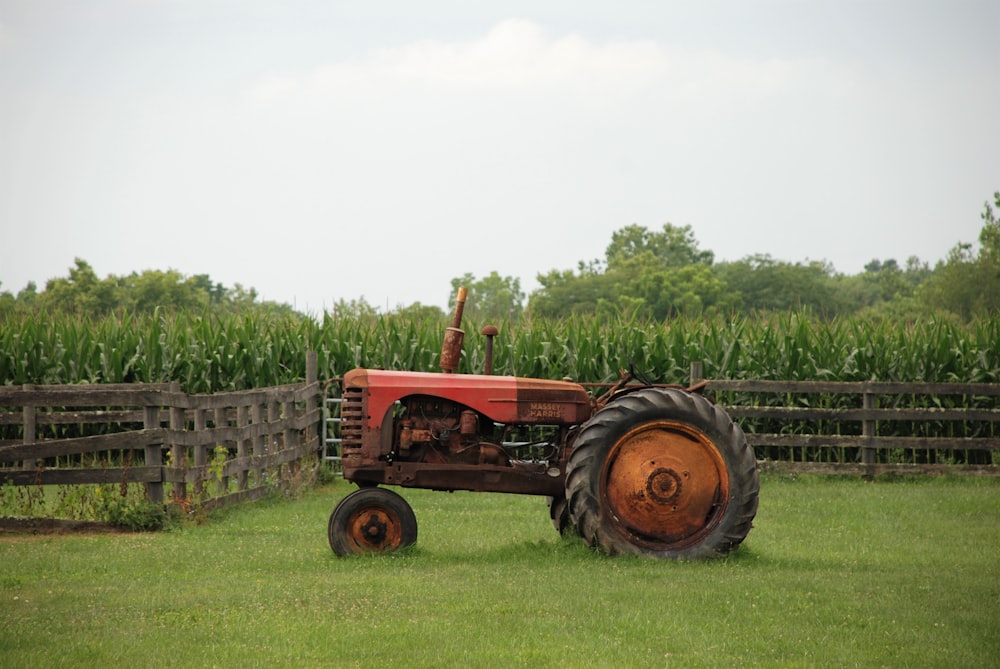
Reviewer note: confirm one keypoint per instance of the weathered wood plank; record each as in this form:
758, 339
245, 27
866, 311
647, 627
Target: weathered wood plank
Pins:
83, 396
139, 394
859, 441
70, 417
13, 391
295, 392
858, 415
70, 476
137, 439
854, 388
783, 467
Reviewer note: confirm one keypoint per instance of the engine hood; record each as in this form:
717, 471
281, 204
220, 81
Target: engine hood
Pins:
503, 399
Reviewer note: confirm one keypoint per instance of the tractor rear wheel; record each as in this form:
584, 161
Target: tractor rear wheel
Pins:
559, 514
371, 520
663, 473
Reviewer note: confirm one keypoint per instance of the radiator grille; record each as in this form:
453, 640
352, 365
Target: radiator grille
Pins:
352, 414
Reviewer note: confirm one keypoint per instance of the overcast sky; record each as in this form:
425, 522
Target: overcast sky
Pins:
324, 150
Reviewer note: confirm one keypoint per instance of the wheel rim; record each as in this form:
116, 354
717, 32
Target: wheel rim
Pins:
374, 528
664, 485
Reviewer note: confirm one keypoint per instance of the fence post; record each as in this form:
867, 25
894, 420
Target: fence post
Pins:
697, 370
273, 416
242, 421
257, 412
312, 376
221, 421
200, 425
869, 428
29, 420
152, 454
291, 439
178, 453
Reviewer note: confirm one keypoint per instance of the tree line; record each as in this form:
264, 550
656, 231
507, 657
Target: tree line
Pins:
661, 274
647, 274
83, 293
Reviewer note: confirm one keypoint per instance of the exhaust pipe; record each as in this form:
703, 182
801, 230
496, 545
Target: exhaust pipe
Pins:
451, 349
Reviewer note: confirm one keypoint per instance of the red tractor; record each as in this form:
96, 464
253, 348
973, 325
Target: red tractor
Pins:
652, 470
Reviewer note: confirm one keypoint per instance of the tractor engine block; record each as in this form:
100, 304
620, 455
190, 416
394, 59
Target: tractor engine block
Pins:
436, 430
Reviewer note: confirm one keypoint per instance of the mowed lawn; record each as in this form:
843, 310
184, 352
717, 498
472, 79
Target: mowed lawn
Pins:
838, 572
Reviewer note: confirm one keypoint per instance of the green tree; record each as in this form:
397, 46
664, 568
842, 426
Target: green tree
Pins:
989, 236
492, 298
203, 283
83, 293
760, 282
28, 294
884, 289
967, 282
657, 290
654, 274
419, 313
355, 309
673, 246
7, 301
169, 289
565, 292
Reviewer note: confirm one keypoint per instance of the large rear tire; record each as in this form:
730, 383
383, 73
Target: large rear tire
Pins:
559, 515
371, 520
663, 473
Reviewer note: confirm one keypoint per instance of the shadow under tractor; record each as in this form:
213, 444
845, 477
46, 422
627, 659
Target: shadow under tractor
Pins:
658, 471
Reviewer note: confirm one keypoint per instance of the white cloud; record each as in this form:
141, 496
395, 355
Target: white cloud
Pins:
516, 57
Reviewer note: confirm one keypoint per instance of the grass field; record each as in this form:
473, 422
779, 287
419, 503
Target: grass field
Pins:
837, 573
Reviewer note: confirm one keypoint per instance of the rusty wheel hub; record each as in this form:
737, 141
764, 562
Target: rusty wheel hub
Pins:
664, 484
375, 529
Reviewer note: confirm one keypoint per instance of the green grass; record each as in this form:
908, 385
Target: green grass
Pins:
836, 573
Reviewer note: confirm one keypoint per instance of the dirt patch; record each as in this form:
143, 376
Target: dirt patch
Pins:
22, 527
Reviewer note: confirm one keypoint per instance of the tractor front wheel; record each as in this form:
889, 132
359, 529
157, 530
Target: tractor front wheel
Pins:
371, 520
663, 473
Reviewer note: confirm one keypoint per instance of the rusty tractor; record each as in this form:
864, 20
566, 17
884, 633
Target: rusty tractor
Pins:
654, 470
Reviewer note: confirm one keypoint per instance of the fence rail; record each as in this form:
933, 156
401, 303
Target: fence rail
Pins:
209, 449
867, 427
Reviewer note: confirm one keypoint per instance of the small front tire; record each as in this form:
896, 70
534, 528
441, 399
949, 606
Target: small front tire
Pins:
371, 520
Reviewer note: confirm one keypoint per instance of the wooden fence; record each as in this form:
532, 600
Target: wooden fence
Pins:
867, 428
211, 449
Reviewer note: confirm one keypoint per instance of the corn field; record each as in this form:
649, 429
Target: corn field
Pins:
208, 354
